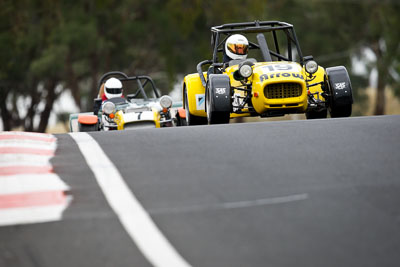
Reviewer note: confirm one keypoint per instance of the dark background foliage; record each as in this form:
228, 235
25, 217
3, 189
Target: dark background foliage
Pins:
47, 46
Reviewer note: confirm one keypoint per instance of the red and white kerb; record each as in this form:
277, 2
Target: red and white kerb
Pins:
30, 191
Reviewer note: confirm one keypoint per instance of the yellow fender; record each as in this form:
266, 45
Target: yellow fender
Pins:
196, 94
319, 77
157, 117
119, 120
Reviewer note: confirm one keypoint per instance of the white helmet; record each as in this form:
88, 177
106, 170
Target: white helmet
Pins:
113, 88
236, 46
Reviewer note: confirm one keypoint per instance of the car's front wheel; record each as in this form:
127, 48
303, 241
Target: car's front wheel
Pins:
341, 111
218, 99
341, 95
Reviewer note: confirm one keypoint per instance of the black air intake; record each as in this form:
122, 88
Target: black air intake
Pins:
282, 90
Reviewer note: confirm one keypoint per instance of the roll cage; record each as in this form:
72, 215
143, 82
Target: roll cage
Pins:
219, 34
141, 82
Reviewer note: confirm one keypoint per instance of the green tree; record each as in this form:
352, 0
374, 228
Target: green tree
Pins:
49, 46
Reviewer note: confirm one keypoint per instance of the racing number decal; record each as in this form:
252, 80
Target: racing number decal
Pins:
278, 67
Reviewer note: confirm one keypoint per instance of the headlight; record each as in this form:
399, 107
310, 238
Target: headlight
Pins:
108, 107
166, 101
245, 71
311, 66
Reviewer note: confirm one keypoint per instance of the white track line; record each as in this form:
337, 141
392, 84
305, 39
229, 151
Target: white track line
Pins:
232, 205
136, 221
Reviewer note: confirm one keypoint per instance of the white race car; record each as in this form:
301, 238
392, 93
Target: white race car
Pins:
136, 110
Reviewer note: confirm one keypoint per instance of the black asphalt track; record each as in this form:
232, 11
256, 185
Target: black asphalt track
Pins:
89, 235
288, 193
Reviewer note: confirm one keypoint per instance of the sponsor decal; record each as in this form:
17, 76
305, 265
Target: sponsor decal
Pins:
279, 74
340, 86
200, 101
220, 91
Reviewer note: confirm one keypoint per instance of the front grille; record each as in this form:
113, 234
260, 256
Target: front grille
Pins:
282, 90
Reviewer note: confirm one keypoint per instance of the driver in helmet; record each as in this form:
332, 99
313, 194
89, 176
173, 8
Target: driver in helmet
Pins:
112, 88
236, 47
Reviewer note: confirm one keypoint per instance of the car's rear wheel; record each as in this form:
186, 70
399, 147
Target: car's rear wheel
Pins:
192, 119
310, 115
180, 120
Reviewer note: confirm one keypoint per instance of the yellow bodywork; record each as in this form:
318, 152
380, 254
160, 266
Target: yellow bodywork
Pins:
157, 117
264, 74
119, 119
192, 85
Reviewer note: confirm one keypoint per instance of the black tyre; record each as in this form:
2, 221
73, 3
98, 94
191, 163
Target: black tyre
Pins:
87, 127
215, 117
192, 119
182, 122
317, 114
218, 99
179, 120
341, 111
341, 95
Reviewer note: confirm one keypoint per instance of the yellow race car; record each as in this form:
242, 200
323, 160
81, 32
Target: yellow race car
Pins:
269, 77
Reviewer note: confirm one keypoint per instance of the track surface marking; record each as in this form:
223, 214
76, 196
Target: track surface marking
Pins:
132, 215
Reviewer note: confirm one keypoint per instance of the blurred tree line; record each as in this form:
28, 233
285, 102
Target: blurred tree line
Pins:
48, 46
